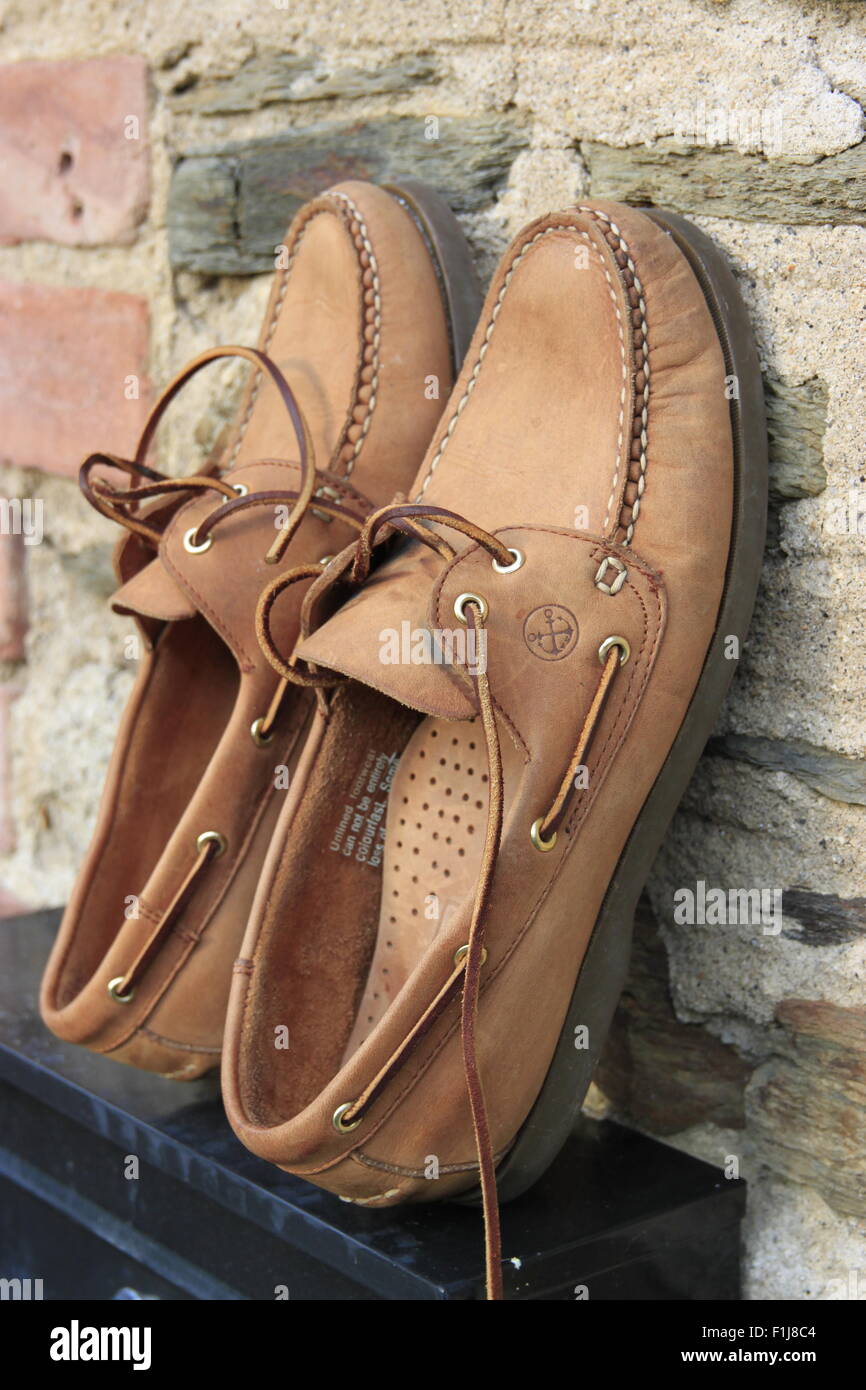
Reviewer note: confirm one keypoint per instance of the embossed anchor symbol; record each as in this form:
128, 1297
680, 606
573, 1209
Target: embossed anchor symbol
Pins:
558, 635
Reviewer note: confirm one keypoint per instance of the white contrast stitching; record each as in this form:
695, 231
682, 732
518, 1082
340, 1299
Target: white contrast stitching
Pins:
377, 323
362, 231
641, 481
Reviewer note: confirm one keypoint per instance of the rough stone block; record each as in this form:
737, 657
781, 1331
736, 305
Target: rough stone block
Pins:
661, 1074
276, 77
796, 421
807, 1105
720, 182
229, 208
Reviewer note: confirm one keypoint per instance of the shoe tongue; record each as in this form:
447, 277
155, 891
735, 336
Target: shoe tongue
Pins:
383, 637
152, 593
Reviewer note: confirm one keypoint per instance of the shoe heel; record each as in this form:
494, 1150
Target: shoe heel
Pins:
458, 281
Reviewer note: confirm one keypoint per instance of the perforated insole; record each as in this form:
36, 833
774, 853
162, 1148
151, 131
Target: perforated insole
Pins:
436, 823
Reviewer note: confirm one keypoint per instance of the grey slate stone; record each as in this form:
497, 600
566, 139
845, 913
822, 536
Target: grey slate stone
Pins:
823, 919
229, 207
796, 421
721, 182
275, 77
833, 774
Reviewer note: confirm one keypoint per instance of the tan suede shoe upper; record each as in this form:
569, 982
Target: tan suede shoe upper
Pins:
590, 433
355, 325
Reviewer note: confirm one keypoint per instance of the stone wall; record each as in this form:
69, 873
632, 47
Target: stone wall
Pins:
151, 154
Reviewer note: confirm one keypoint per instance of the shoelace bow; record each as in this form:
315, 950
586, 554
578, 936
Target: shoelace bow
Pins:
353, 566
122, 505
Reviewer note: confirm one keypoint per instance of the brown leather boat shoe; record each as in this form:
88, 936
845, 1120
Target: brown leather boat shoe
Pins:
376, 300
511, 706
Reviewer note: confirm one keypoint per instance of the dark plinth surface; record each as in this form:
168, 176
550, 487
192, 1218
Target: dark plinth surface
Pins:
618, 1215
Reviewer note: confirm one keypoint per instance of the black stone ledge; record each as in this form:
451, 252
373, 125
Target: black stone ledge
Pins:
625, 1216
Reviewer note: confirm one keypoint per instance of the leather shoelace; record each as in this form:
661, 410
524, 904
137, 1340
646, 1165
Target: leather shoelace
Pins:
353, 565
122, 988
122, 504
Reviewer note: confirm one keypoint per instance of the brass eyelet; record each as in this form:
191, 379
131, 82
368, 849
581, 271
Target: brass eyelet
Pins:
621, 642
208, 837
259, 739
241, 489
537, 839
190, 545
113, 991
337, 1119
463, 951
516, 563
461, 601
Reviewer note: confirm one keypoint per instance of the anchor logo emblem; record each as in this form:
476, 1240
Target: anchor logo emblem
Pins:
550, 632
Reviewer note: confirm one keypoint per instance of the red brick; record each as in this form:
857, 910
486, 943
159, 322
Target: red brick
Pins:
13, 598
65, 356
10, 906
8, 693
70, 174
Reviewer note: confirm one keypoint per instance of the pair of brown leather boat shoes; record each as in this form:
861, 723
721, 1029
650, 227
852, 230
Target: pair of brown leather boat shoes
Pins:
421, 689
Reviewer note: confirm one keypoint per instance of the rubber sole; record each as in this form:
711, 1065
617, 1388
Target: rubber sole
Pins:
603, 972
452, 258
